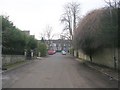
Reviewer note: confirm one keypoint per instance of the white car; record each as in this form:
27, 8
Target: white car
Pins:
63, 52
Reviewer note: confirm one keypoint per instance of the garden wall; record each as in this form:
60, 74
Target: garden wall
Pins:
104, 57
11, 59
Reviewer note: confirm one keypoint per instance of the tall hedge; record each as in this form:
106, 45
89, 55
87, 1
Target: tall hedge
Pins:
97, 30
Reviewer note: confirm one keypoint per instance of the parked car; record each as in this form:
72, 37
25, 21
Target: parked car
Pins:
51, 52
54, 51
58, 50
63, 52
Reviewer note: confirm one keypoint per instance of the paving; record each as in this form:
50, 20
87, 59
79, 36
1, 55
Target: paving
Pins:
57, 71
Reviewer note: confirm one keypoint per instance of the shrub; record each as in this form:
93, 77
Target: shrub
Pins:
42, 48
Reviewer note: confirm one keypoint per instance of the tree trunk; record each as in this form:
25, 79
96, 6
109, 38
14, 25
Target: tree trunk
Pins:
77, 53
91, 58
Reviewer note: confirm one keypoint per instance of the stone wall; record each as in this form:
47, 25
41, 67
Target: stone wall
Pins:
10, 59
81, 55
0, 56
104, 57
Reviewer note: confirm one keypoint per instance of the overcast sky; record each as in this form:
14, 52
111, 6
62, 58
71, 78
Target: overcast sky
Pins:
35, 15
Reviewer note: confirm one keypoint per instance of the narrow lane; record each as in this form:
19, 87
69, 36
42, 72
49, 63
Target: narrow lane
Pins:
57, 71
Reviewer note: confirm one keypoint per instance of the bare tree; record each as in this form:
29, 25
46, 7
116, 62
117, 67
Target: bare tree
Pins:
70, 16
65, 35
113, 3
67, 19
48, 34
75, 8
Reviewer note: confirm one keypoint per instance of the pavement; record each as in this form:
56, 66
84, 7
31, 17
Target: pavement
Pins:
56, 71
111, 73
17, 66
21, 64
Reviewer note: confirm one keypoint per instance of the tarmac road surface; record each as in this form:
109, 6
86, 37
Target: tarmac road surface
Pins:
56, 71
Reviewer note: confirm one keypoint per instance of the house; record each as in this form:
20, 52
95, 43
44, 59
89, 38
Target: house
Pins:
58, 44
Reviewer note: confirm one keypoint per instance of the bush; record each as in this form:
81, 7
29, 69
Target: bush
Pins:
42, 48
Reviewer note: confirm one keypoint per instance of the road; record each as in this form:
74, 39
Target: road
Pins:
56, 71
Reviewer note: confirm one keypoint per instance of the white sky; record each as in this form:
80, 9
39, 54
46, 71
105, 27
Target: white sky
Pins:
34, 15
